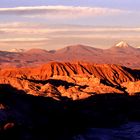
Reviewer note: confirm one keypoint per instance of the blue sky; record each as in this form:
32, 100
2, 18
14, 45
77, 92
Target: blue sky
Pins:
126, 4
41, 23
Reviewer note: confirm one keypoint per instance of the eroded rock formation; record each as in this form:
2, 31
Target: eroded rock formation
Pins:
74, 80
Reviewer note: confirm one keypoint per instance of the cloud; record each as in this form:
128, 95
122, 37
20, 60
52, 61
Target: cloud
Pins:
17, 24
32, 28
60, 11
97, 36
55, 36
23, 39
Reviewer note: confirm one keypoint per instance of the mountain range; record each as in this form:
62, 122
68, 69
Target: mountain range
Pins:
121, 54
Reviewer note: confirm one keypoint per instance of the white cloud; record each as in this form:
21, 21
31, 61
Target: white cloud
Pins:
22, 39
18, 24
38, 29
60, 11
97, 36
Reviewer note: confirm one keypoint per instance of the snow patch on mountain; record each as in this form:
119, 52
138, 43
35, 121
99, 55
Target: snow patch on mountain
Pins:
16, 50
122, 44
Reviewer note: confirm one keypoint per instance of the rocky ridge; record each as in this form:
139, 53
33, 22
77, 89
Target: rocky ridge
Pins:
73, 80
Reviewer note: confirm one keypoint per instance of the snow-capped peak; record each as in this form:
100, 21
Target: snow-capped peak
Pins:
122, 44
16, 50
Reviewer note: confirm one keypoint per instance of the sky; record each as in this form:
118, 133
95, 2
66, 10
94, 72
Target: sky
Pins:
54, 24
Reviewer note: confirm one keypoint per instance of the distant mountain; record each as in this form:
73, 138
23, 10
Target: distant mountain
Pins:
79, 48
121, 53
37, 51
78, 53
122, 47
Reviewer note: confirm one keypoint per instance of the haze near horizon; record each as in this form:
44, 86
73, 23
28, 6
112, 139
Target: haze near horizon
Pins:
55, 24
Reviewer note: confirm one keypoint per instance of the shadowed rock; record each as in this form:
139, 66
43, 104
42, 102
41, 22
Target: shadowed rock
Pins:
30, 117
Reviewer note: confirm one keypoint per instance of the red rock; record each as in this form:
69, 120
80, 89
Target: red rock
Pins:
8, 126
97, 78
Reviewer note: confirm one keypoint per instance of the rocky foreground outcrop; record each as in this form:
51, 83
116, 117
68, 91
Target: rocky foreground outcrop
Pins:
73, 80
28, 117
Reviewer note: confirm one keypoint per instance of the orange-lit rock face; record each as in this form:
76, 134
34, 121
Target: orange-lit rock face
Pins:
112, 73
73, 80
132, 87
